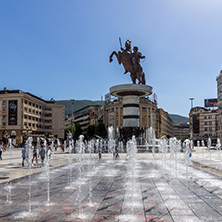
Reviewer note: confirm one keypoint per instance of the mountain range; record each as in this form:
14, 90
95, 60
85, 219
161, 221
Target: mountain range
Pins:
177, 119
72, 106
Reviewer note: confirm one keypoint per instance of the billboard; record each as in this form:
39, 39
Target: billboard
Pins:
210, 102
12, 112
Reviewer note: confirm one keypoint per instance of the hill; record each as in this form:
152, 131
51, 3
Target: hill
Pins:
77, 104
177, 119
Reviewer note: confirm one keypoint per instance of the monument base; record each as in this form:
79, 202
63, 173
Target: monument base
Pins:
126, 133
130, 94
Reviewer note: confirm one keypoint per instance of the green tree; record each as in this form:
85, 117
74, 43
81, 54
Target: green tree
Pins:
90, 131
71, 129
78, 131
100, 130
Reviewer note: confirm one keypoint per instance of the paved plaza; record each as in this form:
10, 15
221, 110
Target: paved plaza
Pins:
156, 187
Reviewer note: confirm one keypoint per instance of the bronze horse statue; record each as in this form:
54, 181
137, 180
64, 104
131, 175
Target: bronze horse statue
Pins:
131, 62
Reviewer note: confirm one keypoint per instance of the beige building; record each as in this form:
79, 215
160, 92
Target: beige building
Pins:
147, 114
219, 100
22, 113
165, 124
89, 115
205, 124
182, 131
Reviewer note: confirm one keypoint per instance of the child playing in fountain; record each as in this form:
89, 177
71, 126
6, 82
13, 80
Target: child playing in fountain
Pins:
1, 151
35, 155
42, 154
49, 153
100, 152
24, 156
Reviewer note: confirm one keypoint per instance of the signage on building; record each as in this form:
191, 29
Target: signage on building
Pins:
12, 112
210, 102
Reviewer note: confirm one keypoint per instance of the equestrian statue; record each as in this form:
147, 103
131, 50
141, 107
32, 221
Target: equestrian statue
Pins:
130, 61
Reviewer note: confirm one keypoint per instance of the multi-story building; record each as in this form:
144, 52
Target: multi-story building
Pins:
181, 131
165, 124
219, 100
89, 115
203, 124
147, 114
22, 113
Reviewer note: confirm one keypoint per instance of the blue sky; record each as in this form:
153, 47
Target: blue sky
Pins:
60, 49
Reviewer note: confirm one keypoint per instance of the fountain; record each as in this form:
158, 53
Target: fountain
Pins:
9, 186
80, 146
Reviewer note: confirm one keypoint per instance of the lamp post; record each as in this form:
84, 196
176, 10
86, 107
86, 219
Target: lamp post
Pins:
72, 120
191, 134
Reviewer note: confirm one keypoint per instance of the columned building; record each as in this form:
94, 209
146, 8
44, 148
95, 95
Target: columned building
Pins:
147, 114
23, 113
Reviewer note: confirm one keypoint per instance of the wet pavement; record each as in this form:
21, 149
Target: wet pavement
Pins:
160, 188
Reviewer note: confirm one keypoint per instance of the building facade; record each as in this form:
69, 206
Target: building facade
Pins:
147, 114
89, 115
165, 124
22, 113
182, 131
203, 124
219, 104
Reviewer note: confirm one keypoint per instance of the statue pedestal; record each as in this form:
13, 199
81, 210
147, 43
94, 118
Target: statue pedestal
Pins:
130, 94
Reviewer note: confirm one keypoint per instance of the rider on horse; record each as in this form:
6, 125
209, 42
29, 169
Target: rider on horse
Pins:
131, 62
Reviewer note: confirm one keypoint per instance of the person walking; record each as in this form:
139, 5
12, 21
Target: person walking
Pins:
24, 155
100, 152
35, 155
42, 154
1, 148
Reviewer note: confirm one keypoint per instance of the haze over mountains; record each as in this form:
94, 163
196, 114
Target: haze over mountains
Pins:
78, 104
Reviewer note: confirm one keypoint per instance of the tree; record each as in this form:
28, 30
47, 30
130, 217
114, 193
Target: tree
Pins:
78, 131
71, 129
100, 130
90, 131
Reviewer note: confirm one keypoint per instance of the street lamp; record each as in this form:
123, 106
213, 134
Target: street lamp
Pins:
72, 120
191, 135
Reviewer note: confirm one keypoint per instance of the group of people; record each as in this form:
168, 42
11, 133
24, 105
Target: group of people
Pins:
36, 153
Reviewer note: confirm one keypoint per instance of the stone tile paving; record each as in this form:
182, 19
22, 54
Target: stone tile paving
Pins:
107, 191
